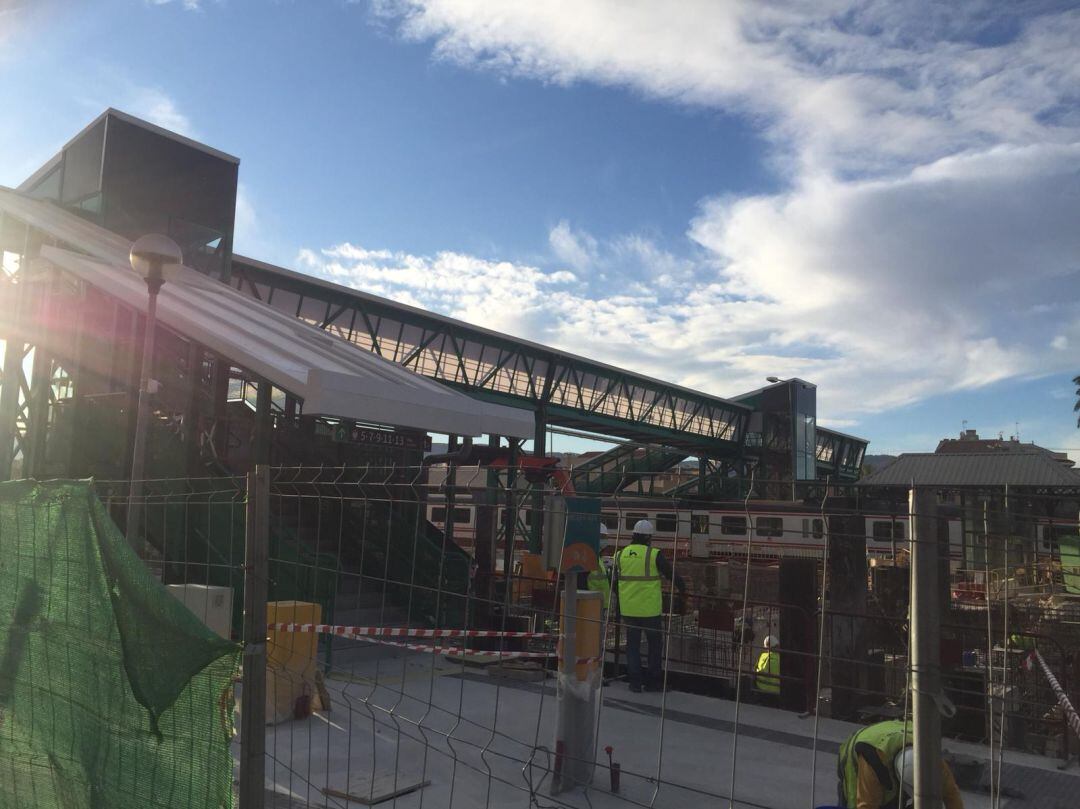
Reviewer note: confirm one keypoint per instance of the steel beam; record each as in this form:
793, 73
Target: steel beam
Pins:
264, 424
37, 426
14, 353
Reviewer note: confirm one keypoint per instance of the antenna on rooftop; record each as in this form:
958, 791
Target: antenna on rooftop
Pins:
1017, 431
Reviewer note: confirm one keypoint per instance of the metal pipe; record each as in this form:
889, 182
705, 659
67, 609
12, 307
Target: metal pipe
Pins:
509, 527
138, 454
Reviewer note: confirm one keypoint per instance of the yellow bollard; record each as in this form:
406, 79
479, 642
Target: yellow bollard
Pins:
587, 634
291, 661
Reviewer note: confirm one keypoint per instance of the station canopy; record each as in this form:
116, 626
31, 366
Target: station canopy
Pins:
333, 377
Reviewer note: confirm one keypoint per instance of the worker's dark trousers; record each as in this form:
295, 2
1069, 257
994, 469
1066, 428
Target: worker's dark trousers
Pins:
652, 627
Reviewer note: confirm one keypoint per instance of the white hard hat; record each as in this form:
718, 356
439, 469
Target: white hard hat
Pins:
904, 764
643, 527
771, 641
604, 541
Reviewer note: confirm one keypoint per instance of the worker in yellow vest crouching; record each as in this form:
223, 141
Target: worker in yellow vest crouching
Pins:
876, 769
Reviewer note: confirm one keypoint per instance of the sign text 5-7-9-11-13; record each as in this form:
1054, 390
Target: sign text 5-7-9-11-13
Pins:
383, 438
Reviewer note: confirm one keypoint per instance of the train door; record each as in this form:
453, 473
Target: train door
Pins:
956, 545
699, 534
1044, 546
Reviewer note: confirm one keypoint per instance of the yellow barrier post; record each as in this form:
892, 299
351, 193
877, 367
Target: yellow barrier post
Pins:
291, 661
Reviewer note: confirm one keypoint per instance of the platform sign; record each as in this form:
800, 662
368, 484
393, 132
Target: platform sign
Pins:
344, 434
581, 537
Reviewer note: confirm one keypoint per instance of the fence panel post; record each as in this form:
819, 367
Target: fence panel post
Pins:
253, 694
926, 609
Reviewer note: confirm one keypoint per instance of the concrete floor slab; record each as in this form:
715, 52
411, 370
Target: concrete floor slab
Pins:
487, 742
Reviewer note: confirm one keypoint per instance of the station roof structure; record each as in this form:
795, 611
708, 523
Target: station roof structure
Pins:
330, 375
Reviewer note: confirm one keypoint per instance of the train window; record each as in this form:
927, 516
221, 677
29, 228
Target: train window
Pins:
463, 516
667, 522
818, 528
770, 527
633, 518
438, 514
885, 531
733, 526
699, 524
610, 521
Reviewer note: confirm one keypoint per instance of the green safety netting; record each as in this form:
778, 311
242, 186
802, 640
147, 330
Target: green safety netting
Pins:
112, 693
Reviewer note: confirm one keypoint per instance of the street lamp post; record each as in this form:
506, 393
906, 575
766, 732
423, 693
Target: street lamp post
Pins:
149, 257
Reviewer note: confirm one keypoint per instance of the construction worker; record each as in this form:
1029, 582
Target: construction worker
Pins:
638, 568
599, 580
767, 672
877, 766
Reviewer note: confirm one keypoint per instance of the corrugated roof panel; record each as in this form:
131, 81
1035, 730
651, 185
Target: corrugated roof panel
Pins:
975, 469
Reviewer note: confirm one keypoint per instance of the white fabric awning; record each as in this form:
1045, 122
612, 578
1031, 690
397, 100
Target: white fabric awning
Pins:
333, 377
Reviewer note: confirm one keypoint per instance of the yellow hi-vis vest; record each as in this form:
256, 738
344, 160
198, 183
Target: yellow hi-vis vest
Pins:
597, 581
767, 671
880, 743
639, 581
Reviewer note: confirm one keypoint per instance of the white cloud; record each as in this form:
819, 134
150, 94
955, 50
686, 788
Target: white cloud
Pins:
842, 84
190, 5
918, 284
575, 248
246, 224
497, 294
882, 292
925, 241
156, 106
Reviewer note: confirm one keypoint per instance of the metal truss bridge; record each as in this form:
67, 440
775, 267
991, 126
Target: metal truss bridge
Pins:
560, 388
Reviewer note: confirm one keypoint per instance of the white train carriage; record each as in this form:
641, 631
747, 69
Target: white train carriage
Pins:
773, 530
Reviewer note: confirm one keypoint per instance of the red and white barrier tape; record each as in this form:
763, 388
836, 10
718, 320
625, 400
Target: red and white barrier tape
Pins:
404, 632
450, 651
1063, 700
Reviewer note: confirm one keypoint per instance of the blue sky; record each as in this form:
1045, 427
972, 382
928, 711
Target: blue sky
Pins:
883, 198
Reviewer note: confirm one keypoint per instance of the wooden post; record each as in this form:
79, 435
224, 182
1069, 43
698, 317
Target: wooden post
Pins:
253, 693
